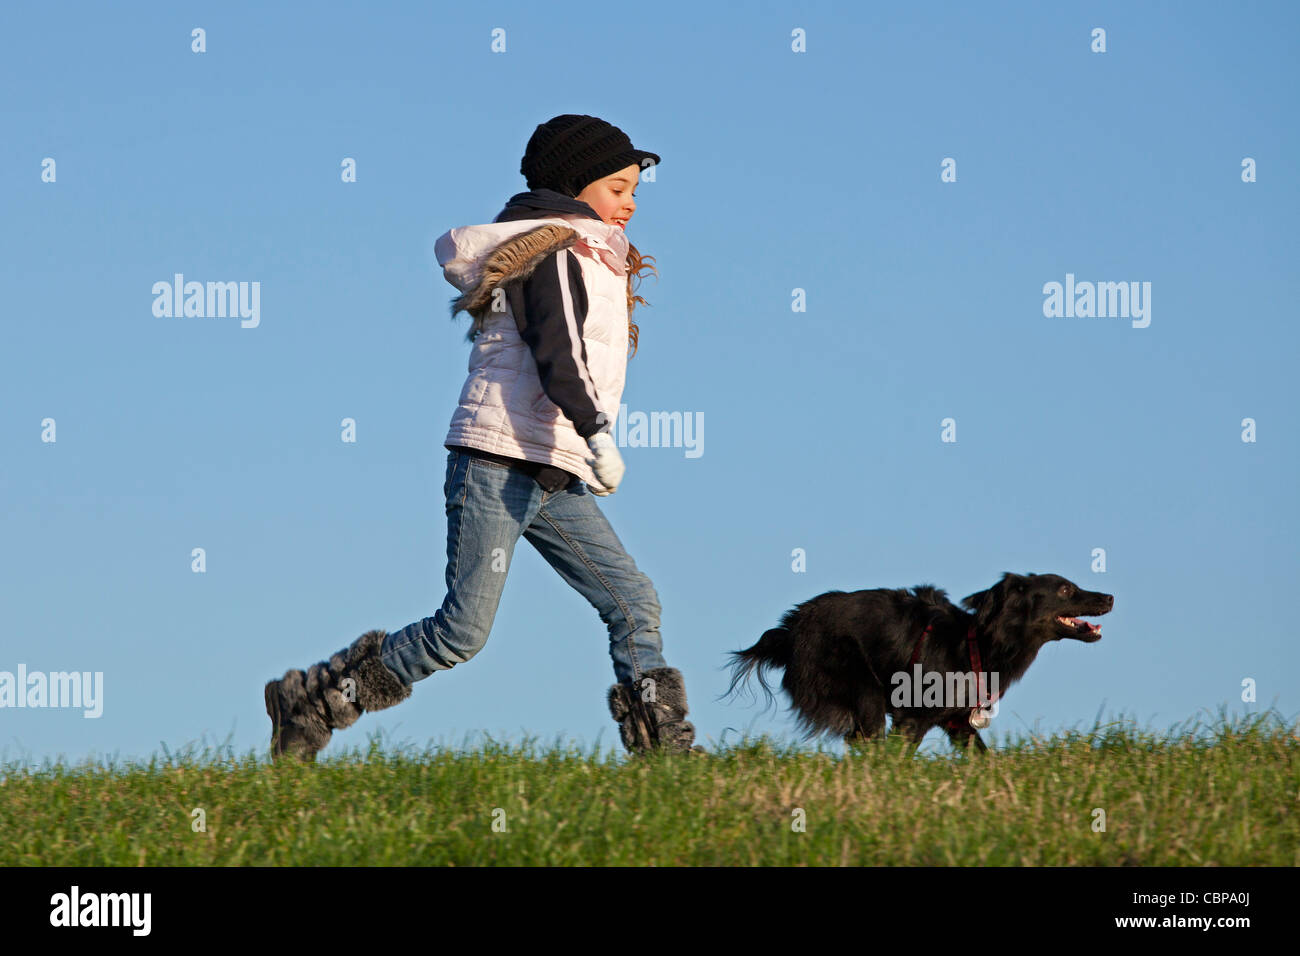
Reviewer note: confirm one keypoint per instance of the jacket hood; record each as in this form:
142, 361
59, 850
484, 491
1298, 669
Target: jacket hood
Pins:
525, 205
478, 257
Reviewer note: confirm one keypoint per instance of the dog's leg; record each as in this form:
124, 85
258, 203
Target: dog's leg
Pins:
912, 729
868, 723
962, 737
860, 734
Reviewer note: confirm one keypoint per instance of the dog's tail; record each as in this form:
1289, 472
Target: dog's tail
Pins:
772, 650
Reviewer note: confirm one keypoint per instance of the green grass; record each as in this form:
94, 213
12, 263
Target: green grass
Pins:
1222, 794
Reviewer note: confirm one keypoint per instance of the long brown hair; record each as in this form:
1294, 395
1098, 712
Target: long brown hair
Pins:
636, 264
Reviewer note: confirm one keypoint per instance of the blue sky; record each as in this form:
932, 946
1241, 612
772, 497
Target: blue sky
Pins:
818, 171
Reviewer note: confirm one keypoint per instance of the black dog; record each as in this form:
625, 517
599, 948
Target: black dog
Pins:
850, 658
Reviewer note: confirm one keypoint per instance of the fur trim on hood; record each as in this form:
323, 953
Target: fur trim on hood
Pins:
514, 259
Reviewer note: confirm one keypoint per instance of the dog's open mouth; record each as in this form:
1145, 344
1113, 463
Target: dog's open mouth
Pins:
1084, 630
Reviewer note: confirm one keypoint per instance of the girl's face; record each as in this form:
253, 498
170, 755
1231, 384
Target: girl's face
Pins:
611, 197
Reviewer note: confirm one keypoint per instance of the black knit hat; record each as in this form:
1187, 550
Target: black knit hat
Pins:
570, 151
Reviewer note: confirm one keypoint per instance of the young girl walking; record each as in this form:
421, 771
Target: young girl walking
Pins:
549, 285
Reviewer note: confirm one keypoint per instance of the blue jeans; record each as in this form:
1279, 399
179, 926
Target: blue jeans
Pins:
489, 505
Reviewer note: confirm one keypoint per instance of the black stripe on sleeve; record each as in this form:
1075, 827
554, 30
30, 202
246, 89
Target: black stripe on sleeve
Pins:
550, 307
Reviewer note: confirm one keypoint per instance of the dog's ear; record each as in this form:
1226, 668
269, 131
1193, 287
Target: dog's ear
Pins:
987, 605
975, 601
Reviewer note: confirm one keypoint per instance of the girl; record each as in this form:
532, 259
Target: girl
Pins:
549, 284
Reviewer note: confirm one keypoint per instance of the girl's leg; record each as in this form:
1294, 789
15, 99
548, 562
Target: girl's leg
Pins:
488, 506
649, 700
574, 536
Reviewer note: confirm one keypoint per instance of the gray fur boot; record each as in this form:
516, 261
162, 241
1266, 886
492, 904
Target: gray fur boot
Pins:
306, 707
652, 714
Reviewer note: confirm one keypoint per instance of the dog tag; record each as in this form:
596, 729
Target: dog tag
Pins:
979, 718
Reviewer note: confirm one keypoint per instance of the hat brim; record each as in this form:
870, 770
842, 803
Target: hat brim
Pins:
642, 156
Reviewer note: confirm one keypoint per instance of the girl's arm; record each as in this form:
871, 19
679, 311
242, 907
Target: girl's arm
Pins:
550, 307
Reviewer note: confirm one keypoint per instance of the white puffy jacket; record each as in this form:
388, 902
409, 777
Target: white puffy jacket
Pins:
547, 368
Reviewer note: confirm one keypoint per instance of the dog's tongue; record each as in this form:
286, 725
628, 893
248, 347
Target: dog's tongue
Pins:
1077, 622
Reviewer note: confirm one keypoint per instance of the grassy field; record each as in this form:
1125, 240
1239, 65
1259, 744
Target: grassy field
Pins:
1227, 794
